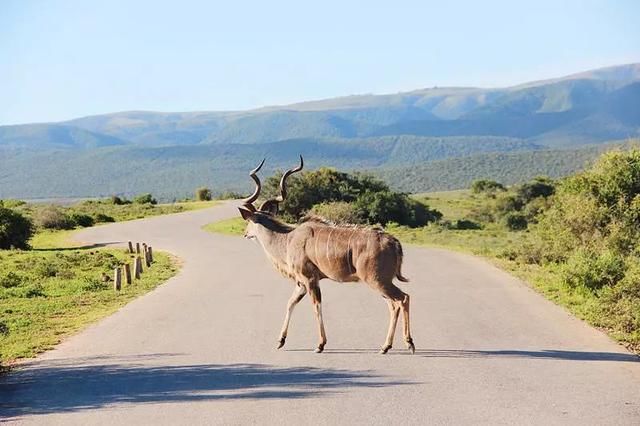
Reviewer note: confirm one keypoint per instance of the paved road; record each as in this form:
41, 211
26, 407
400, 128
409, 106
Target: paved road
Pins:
201, 349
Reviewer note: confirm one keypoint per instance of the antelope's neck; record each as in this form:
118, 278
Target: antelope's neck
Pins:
275, 245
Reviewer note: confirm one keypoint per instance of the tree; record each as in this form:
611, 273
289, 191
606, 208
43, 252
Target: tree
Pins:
15, 229
486, 186
203, 194
372, 200
145, 199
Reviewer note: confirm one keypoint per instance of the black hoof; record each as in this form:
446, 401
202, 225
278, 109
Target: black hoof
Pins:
411, 346
319, 349
281, 343
384, 350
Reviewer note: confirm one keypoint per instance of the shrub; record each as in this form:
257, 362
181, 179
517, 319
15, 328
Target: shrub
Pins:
145, 199
486, 186
80, 219
11, 203
10, 279
203, 194
338, 211
386, 206
51, 217
116, 200
593, 269
465, 224
15, 229
515, 221
103, 218
621, 303
318, 186
538, 187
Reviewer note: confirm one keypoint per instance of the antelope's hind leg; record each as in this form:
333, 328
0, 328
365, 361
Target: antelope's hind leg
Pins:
394, 312
407, 329
316, 300
298, 293
398, 301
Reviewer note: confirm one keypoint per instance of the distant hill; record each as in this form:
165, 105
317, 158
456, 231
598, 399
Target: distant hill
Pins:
506, 168
170, 153
46, 136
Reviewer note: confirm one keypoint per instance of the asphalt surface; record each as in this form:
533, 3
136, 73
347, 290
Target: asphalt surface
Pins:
200, 349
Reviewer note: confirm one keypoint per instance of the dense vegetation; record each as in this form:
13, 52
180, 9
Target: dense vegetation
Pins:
344, 197
591, 233
407, 164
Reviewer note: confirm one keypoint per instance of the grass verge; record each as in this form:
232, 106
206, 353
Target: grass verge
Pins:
47, 295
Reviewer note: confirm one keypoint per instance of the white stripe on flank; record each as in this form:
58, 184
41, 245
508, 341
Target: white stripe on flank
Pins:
328, 239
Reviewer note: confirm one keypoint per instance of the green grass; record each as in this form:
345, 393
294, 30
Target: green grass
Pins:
51, 239
453, 205
135, 211
47, 295
119, 212
233, 226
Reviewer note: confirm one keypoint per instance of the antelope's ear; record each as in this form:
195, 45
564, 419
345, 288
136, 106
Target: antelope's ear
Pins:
246, 213
270, 206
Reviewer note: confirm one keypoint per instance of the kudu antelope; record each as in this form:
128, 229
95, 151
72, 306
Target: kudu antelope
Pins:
316, 249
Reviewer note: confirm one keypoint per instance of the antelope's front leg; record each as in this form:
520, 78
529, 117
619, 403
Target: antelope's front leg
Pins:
298, 293
316, 300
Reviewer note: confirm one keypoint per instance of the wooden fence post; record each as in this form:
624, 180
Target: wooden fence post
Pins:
130, 247
146, 256
139, 265
150, 251
136, 269
127, 274
138, 248
117, 279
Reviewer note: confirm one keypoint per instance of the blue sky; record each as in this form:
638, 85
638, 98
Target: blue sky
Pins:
64, 59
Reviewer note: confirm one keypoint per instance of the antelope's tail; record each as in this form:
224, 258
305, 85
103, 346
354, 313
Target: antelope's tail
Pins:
399, 256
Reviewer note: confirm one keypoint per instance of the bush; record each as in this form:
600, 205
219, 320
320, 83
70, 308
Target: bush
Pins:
338, 211
621, 304
116, 200
51, 217
538, 187
373, 201
465, 224
203, 194
515, 221
80, 219
593, 269
145, 199
15, 229
479, 186
10, 279
386, 206
103, 218
11, 203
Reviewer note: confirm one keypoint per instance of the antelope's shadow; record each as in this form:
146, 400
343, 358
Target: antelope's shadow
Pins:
53, 387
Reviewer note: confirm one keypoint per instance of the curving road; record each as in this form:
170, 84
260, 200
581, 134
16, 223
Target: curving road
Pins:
201, 349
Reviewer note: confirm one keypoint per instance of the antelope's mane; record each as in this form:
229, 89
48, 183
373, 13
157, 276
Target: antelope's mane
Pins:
312, 218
